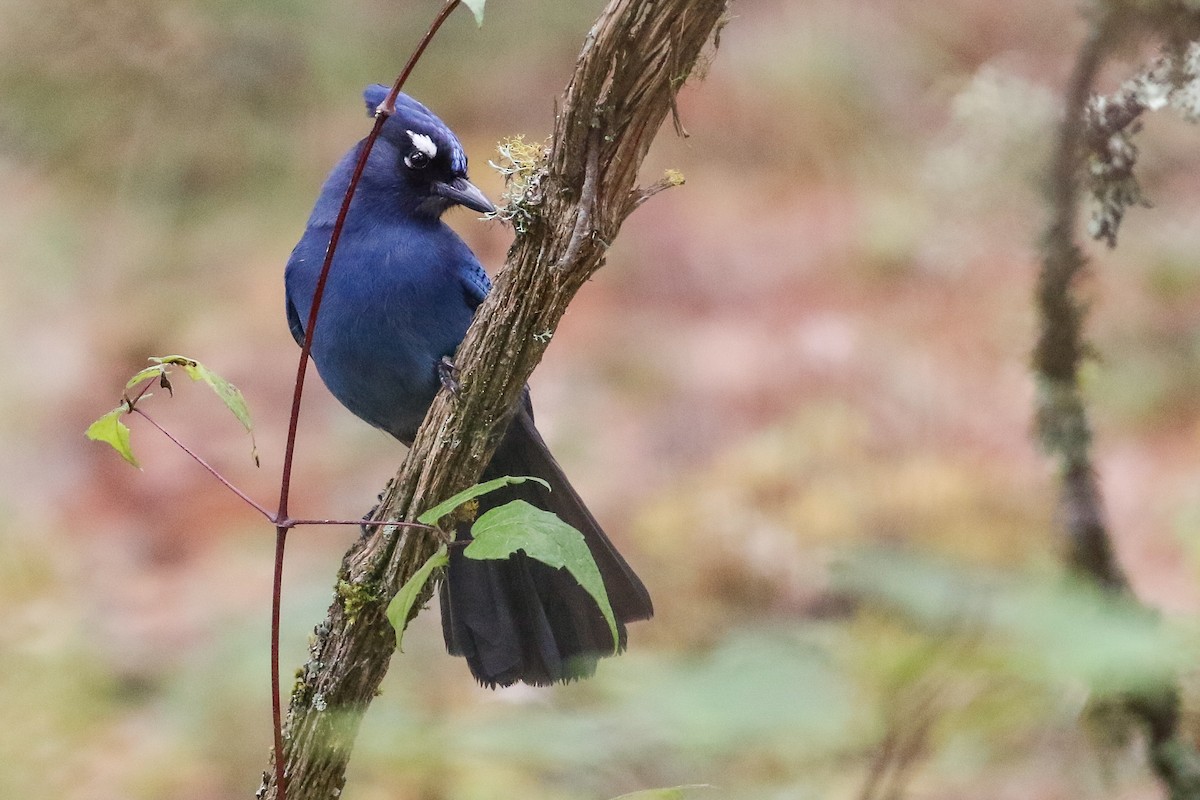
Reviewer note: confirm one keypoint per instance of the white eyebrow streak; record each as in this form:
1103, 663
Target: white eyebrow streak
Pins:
423, 143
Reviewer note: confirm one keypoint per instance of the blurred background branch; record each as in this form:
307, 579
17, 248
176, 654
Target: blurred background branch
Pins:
1094, 138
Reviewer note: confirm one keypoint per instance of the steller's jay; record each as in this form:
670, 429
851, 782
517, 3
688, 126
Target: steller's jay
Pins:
400, 295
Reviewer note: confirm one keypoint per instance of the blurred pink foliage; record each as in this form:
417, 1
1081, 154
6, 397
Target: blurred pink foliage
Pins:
820, 342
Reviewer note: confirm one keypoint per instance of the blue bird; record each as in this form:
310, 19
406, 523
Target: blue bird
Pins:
401, 292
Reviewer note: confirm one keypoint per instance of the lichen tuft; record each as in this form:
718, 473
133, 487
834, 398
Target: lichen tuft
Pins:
523, 165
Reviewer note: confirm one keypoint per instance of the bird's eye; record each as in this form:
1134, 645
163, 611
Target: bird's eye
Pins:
416, 160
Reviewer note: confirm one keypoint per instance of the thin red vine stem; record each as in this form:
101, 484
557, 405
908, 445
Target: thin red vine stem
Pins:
131, 402
288, 523
382, 113
224, 482
386, 108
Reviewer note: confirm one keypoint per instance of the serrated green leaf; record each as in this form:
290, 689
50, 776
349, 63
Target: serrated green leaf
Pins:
111, 430
670, 793
476, 7
543, 536
401, 606
443, 508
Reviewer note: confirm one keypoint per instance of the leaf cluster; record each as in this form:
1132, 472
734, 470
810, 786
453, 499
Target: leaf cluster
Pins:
500, 533
112, 431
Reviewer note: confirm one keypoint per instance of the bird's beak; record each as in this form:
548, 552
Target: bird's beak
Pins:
465, 193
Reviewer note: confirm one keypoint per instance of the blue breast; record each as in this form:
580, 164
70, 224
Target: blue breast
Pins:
399, 298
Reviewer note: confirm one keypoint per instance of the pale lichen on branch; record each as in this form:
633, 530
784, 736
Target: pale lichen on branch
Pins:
1111, 122
523, 165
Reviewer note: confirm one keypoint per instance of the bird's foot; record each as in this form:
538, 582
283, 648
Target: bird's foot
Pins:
367, 530
448, 375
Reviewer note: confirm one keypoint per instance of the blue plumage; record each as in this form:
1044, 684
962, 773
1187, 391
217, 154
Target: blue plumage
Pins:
400, 295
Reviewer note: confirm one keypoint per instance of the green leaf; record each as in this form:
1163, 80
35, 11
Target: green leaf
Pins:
671, 793
476, 7
230, 395
155, 371
543, 536
401, 606
443, 508
110, 429
175, 360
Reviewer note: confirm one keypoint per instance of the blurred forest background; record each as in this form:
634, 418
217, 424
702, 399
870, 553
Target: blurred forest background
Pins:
798, 396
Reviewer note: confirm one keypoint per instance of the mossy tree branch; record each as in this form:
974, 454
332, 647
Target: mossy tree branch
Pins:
1097, 129
1062, 418
634, 59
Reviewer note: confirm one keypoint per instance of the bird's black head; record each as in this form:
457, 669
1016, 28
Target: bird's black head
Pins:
426, 157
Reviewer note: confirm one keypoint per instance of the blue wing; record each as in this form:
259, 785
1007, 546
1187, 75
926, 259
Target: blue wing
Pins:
476, 284
294, 323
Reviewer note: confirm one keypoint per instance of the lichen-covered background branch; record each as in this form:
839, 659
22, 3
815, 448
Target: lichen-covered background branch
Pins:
1095, 138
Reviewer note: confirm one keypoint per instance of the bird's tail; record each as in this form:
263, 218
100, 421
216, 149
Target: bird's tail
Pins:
519, 619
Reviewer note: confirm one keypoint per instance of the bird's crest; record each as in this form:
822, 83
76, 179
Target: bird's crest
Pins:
419, 125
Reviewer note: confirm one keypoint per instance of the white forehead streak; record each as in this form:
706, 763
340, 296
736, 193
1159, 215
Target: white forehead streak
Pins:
423, 143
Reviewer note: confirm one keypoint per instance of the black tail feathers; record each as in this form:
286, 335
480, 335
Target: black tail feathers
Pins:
519, 619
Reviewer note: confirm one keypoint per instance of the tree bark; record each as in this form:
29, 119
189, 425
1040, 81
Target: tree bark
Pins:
633, 61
